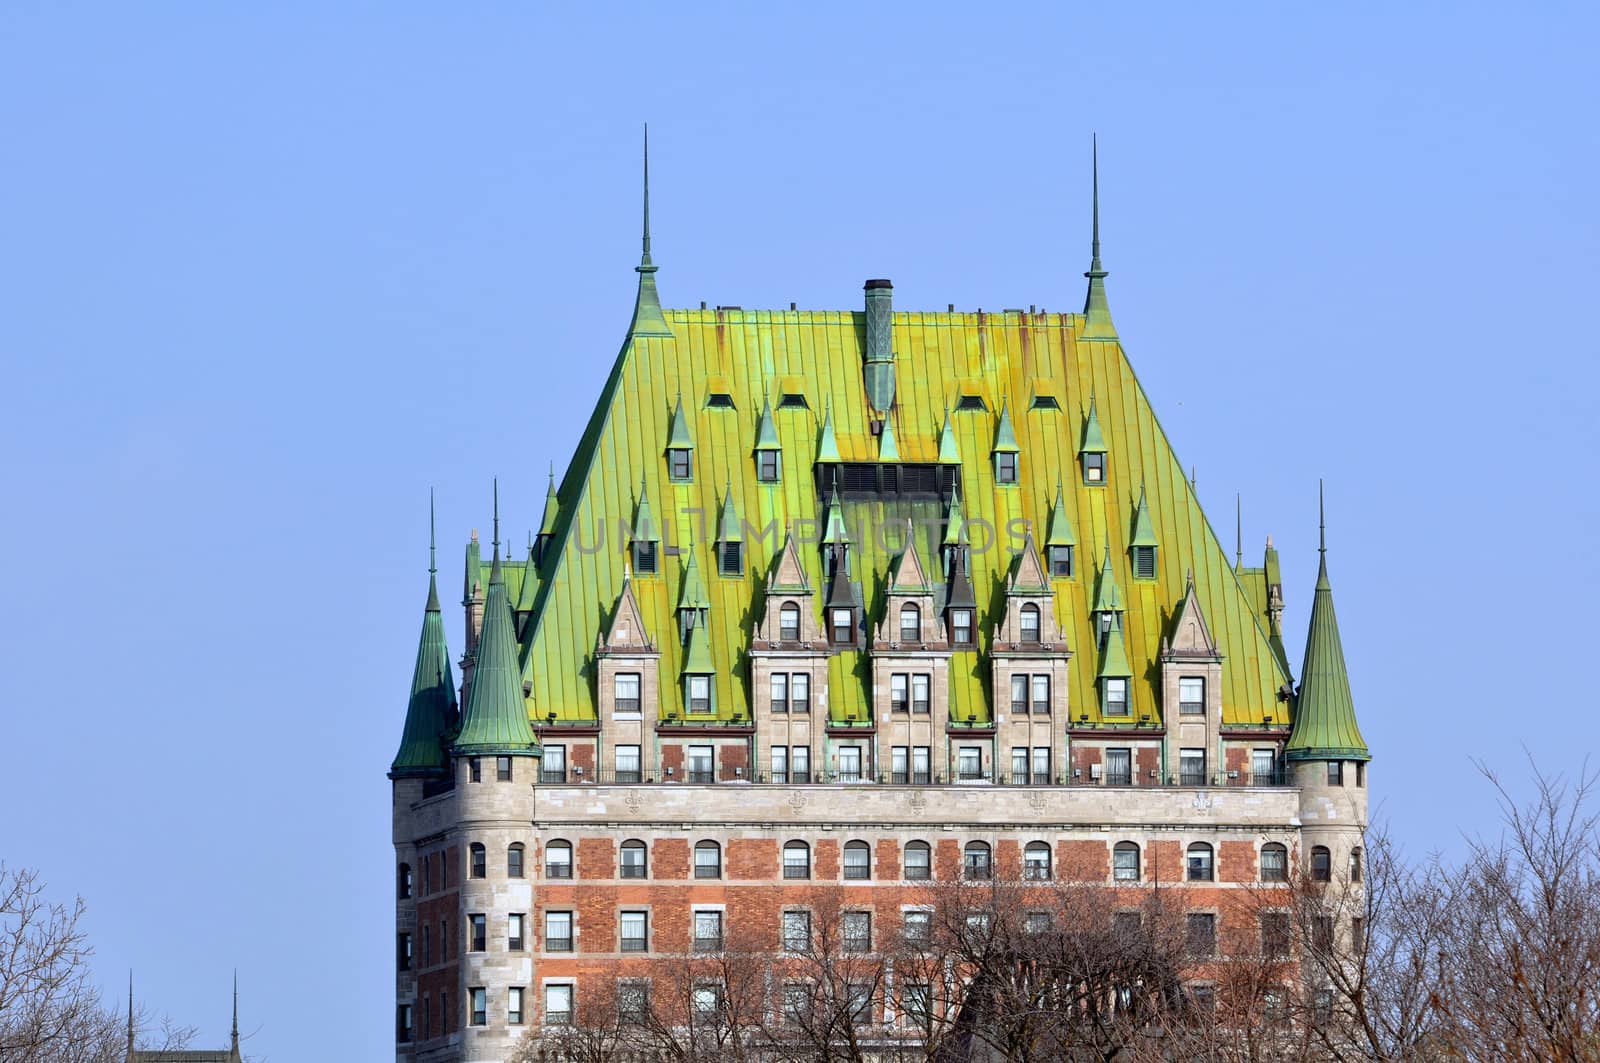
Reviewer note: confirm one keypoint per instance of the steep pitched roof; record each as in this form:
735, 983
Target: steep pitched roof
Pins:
1005, 436
1143, 533
828, 445
907, 574
949, 449
1060, 531
1114, 658
431, 708
495, 720
1325, 713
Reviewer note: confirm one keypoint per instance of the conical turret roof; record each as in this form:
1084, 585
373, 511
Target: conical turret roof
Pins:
1060, 531
1325, 714
766, 431
678, 437
1005, 436
1114, 658
828, 446
431, 709
949, 449
1094, 440
1143, 532
496, 717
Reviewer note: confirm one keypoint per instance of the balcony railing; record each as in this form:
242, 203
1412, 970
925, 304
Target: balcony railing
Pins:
558, 1018
558, 871
1076, 777
633, 944
633, 871
701, 776
558, 944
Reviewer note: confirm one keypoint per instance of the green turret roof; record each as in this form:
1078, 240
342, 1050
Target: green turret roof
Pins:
954, 521
1094, 440
887, 448
828, 448
1143, 533
496, 717
1107, 595
552, 507
431, 710
730, 529
692, 593
647, 317
644, 522
1005, 437
1325, 714
1060, 530
1114, 658
697, 658
678, 437
766, 431
833, 529
949, 449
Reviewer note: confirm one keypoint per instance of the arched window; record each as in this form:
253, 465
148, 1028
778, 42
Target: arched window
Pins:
1321, 863
514, 860
789, 622
558, 860
796, 860
1199, 863
480, 861
1125, 862
910, 623
1355, 865
403, 881
1030, 623
707, 860
919, 861
975, 860
857, 860
1274, 863
1036, 861
634, 860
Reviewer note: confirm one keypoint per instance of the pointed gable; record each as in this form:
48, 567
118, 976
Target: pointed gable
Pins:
789, 575
691, 589
1028, 576
1191, 635
1114, 657
766, 432
1094, 439
909, 575
1060, 531
949, 449
1005, 436
1143, 532
626, 632
1107, 595
828, 444
678, 435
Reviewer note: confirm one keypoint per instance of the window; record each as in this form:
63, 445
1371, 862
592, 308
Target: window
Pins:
793, 402
900, 692
1119, 767
1321, 864
969, 761
1361, 773
857, 860
1358, 927
635, 859
558, 860
427, 947
708, 931
796, 931
1103, 622
1192, 767
1199, 862
1036, 861
789, 622
1355, 865
920, 693
707, 860
1005, 468
796, 860
921, 765
635, 931
800, 692
553, 764
444, 1011
917, 926
916, 1000
480, 1005
970, 403
849, 763
1322, 933
1041, 695
644, 557
910, 623
1116, 697
680, 464
1036, 923
1191, 696
1030, 623
975, 860
480, 862
1274, 863
1019, 695
780, 692
919, 861
515, 924
796, 1003
558, 931
858, 998
1144, 562
1202, 933
1125, 862
718, 400
1019, 765
403, 881
557, 1005
857, 931
1275, 935
628, 766
475, 769
514, 860
633, 1001
402, 950
1094, 469
730, 559
961, 627
706, 999
1060, 562
427, 1018
402, 1023
842, 625
625, 687
899, 759
699, 690
478, 931
800, 762
502, 769
1335, 773
1264, 767
514, 1005
700, 764
780, 763
1126, 924
1322, 1007
767, 466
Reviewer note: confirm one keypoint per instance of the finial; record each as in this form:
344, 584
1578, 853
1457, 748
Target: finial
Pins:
1238, 529
497, 516
236, 1007
1322, 523
644, 260
1192, 480
433, 542
1094, 264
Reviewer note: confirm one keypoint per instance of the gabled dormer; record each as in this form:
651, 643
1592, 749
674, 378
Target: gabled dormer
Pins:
1029, 624
949, 449
730, 538
1029, 659
1092, 450
1007, 455
1059, 542
768, 451
908, 621
1107, 611
1191, 669
693, 604
627, 664
1142, 545
828, 442
680, 447
789, 616
960, 605
645, 547
698, 674
1114, 677
841, 609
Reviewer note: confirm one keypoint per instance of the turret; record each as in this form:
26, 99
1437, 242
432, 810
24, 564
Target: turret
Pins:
431, 708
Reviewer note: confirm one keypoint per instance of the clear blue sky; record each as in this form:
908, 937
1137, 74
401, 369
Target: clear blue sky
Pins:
269, 272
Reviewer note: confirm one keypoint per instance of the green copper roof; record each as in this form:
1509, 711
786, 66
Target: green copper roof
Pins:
1060, 530
697, 658
1325, 714
828, 448
528, 592
1005, 437
647, 316
834, 532
1094, 440
431, 709
1114, 658
678, 437
887, 450
766, 431
692, 592
730, 529
552, 507
1107, 595
949, 449
954, 522
1143, 533
1096, 311
644, 522
496, 717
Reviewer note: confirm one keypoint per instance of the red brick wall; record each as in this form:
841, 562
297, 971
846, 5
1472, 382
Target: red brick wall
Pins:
1083, 861
1236, 862
733, 761
1147, 759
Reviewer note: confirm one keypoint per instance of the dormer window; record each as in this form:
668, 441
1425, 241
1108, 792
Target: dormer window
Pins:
767, 466
1105, 620
680, 464
697, 694
1144, 562
961, 627
1029, 623
910, 623
789, 622
1045, 402
1094, 469
1060, 562
1114, 697
719, 401
972, 403
646, 557
1005, 468
793, 401
841, 626
730, 558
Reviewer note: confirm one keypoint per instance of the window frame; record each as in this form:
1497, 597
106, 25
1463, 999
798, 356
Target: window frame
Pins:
1108, 704
788, 632
680, 464
1006, 468
1059, 559
797, 869
1321, 863
477, 860
626, 707
1094, 468
516, 860
558, 870
910, 622
1205, 871
1033, 869
961, 632
1120, 872
1188, 706
633, 869
859, 870
710, 867
1030, 611
769, 469
633, 942
1274, 862
977, 861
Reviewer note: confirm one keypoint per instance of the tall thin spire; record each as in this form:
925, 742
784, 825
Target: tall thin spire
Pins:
1096, 312
236, 1012
1094, 252
130, 1015
1238, 530
1322, 524
494, 570
433, 559
648, 319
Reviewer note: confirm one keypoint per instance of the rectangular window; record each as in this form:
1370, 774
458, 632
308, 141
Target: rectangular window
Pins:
699, 687
767, 466
780, 692
402, 1023
514, 925
921, 697
800, 763
857, 931
1125, 864
922, 765
800, 692
970, 761
796, 931
626, 688
480, 1005
1116, 697
1335, 773
1119, 767
1263, 767
1202, 933
1126, 924
680, 464
706, 1000
478, 925
558, 931
700, 764
403, 951
842, 626
900, 692
708, 931
900, 765
1191, 696
857, 862
731, 558
1005, 468
427, 947
1019, 765
628, 765
644, 557
1019, 695
1144, 562
917, 926
635, 859
557, 1005
849, 763
780, 763
1036, 922
961, 627
858, 997
514, 1005
1041, 765
502, 769
916, 1000
553, 764
1094, 469
475, 768
1041, 695
1192, 767
635, 931
796, 1003
1275, 935
633, 1001
1061, 562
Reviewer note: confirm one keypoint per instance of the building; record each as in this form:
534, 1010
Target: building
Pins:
867, 596
231, 1054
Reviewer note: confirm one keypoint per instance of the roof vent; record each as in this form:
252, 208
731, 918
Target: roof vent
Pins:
879, 369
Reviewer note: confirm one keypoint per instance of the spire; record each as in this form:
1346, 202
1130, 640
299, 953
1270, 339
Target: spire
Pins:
1143, 532
730, 528
530, 581
828, 448
1096, 313
949, 452
888, 449
431, 708
697, 659
960, 594
1238, 531
495, 720
766, 431
678, 437
1107, 596
644, 523
235, 1045
647, 317
833, 529
1325, 715
1060, 531
1005, 437
552, 507
1094, 440
692, 592
954, 521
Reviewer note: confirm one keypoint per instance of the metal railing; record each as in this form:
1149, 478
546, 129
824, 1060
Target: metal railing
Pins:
558, 944
633, 944
1075, 777
558, 871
